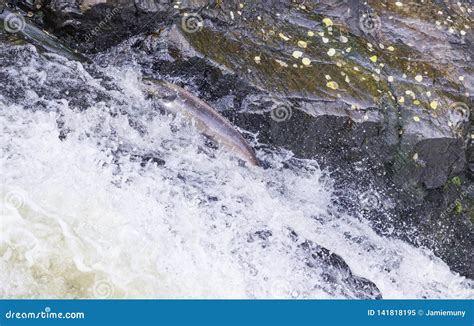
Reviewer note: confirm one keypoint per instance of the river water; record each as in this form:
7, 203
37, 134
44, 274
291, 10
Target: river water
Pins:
83, 215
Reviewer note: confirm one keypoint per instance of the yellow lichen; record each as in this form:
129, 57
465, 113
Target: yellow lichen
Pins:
302, 44
306, 61
327, 22
332, 85
281, 63
283, 36
297, 54
331, 52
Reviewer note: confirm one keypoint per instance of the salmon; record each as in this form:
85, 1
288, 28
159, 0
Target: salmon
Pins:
207, 120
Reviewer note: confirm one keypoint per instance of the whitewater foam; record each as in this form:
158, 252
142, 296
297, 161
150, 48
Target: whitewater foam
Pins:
83, 215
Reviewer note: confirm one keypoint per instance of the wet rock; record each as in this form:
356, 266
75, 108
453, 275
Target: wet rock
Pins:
96, 25
21, 27
367, 88
373, 101
342, 87
338, 272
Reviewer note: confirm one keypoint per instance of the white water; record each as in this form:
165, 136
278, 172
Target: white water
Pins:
80, 221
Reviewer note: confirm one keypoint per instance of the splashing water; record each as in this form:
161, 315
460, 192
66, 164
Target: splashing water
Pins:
102, 196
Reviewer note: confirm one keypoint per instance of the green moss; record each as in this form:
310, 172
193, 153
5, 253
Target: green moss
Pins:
456, 181
458, 207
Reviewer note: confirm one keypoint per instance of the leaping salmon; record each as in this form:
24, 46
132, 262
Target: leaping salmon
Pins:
175, 99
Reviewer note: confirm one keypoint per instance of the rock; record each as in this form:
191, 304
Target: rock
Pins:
411, 132
373, 90
344, 91
96, 25
339, 273
20, 28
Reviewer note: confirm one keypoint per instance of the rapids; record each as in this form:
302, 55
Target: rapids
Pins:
104, 197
